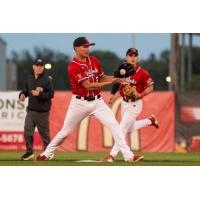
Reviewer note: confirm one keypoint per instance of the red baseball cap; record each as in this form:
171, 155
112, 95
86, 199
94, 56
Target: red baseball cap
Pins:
82, 41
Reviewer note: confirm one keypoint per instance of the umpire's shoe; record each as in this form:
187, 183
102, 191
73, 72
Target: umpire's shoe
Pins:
28, 156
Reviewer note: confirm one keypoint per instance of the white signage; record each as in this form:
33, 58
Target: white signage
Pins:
12, 112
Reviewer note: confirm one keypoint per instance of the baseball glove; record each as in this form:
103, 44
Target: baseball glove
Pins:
124, 70
129, 92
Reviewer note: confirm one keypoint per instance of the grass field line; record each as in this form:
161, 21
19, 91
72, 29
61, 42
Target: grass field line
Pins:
94, 159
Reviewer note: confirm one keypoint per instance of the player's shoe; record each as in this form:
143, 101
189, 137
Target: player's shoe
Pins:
137, 158
108, 158
27, 156
154, 121
42, 157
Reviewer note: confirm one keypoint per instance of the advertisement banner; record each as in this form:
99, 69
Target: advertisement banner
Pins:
187, 121
12, 116
12, 112
90, 135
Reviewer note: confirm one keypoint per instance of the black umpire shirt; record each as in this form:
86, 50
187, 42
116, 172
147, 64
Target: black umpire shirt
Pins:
41, 103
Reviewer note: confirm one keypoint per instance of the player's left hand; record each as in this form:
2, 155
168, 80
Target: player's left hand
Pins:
130, 91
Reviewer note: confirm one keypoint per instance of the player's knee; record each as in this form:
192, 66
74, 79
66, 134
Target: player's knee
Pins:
114, 125
123, 129
66, 131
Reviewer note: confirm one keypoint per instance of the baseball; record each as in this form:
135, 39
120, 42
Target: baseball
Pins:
122, 71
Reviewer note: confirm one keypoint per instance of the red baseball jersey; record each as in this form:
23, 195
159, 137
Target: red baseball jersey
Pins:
79, 71
141, 80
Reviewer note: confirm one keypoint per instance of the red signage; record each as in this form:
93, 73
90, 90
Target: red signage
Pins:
190, 114
92, 136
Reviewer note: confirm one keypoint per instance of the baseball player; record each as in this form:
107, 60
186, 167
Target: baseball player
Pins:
139, 85
87, 78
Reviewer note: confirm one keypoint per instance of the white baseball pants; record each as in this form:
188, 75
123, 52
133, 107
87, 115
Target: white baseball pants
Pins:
77, 111
129, 112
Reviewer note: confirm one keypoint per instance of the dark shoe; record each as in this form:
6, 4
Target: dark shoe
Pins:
154, 121
28, 156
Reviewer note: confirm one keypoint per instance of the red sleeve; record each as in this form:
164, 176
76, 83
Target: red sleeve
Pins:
147, 80
76, 73
100, 69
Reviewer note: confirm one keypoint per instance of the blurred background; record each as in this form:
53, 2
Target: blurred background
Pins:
173, 60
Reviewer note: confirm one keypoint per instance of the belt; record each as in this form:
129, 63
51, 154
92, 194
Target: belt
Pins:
90, 98
129, 99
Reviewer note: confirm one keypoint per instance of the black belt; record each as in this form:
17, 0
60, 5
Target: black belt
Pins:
129, 99
90, 98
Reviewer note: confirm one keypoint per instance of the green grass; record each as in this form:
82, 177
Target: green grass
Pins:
69, 159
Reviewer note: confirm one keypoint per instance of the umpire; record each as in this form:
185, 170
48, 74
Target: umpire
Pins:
39, 89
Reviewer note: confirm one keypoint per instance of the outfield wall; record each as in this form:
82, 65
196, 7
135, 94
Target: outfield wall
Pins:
188, 120
91, 135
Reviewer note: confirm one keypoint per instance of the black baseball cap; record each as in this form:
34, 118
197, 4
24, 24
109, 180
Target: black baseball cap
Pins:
132, 51
82, 41
38, 61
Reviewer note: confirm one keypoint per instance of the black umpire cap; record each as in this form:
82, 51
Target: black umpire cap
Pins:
82, 41
38, 61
